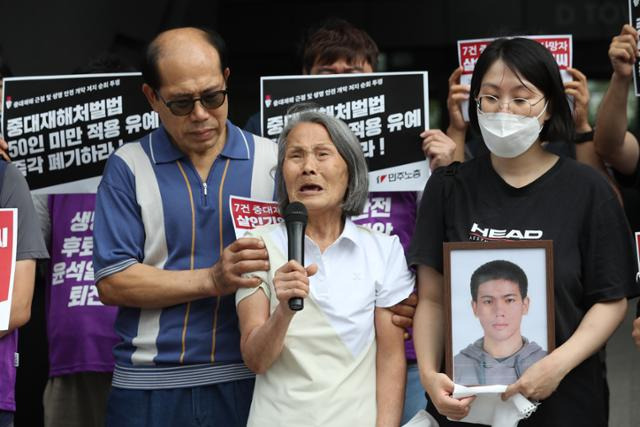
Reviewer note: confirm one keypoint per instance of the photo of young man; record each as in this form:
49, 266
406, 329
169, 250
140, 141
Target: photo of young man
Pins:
499, 300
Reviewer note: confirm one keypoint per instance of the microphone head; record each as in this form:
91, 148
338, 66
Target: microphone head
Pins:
295, 212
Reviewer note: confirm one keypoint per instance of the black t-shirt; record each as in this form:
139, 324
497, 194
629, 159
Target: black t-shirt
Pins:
629, 186
593, 256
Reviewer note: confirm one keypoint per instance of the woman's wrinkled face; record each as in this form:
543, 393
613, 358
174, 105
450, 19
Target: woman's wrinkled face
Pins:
314, 172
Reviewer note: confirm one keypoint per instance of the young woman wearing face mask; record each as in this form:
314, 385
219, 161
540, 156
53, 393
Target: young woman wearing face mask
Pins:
520, 191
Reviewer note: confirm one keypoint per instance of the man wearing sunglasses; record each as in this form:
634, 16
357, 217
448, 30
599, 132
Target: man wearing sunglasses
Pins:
165, 249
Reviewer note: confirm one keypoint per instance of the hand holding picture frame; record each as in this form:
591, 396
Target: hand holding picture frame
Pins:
499, 309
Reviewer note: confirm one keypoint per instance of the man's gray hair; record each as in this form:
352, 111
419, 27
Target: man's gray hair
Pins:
349, 148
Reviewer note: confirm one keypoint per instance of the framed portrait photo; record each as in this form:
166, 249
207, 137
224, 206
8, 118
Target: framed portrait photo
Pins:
499, 309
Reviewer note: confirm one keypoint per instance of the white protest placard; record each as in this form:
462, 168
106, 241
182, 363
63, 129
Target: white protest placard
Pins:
560, 46
8, 239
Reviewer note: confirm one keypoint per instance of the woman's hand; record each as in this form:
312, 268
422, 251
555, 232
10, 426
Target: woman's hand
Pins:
580, 91
438, 147
263, 332
538, 381
543, 377
458, 93
292, 281
440, 388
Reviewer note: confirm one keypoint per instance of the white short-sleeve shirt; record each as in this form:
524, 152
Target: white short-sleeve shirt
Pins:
326, 373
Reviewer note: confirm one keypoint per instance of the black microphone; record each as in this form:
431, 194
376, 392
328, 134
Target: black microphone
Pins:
295, 218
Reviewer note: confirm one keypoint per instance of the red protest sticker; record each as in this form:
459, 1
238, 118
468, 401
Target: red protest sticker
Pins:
469, 51
560, 47
248, 214
8, 229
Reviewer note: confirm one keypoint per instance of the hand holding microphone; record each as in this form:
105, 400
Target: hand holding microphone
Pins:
292, 279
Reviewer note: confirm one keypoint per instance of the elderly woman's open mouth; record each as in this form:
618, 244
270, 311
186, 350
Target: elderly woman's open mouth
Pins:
310, 188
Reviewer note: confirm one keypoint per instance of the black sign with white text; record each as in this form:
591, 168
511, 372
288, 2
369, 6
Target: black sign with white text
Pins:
61, 129
386, 111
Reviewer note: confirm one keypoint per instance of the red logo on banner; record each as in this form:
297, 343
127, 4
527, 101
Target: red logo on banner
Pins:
6, 251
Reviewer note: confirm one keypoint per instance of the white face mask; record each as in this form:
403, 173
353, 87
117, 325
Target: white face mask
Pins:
509, 135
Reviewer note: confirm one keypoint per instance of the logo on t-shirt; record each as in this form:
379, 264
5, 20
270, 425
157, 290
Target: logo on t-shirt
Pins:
480, 234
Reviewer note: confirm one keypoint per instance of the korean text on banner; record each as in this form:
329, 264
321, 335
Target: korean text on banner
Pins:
248, 214
386, 111
61, 129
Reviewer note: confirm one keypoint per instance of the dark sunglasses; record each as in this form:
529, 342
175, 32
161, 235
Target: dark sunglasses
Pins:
184, 107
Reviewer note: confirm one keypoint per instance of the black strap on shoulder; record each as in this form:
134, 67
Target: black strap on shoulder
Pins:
449, 174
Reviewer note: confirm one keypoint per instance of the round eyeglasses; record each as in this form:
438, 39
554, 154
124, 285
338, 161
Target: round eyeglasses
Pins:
184, 107
492, 104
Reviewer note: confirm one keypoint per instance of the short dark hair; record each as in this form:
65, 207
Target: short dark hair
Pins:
150, 71
336, 39
533, 62
496, 270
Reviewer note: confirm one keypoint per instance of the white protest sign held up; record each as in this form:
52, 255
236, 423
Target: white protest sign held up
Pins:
8, 238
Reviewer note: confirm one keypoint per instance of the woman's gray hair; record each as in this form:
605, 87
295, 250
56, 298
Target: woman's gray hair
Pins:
349, 148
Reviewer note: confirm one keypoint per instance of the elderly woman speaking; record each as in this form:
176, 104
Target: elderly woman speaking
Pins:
340, 361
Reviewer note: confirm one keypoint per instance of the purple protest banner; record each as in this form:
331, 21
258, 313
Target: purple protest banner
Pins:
79, 327
392, 213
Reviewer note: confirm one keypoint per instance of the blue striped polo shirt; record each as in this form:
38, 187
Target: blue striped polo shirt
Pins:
153, 208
